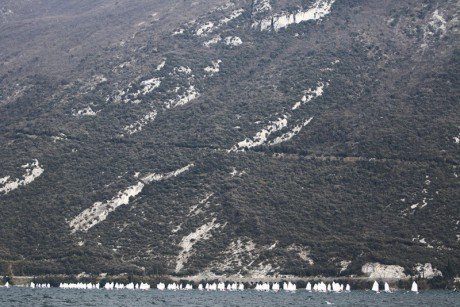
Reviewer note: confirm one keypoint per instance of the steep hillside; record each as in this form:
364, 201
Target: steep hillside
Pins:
245, 138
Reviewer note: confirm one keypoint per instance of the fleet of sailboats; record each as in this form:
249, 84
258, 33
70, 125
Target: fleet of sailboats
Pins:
216, 286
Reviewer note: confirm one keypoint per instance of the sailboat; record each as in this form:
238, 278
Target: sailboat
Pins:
414, 287
308, 288
160, 286
290, 286
375, 287
144, 286
336, 287
7, 285
322, 287
387, 287
348, 288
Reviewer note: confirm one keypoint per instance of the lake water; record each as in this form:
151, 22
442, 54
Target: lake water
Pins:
61, 297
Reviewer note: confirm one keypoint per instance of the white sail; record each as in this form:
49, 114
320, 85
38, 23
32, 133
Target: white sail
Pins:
336, 287
414, 287
375, 286
172, 286
130, 286
387, 287
308, 288
289, 286
348, 288
160, 286
144, 286
322, 287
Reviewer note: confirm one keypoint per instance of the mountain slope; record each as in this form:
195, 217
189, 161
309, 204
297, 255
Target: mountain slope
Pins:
246, 137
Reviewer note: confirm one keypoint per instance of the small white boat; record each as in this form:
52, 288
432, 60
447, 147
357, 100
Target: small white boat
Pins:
289, 286
262, 287
109, 286
336, 287
144, 286
172, 286
308, 288
414, 287
161, 286
322, 287
7, 285
348, 288
375, 287
130, 286
387, 287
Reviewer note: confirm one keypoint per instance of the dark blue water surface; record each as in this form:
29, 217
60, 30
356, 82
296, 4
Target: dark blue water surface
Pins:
59, 297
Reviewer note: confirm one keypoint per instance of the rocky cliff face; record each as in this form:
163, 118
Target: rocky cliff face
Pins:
229, 137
